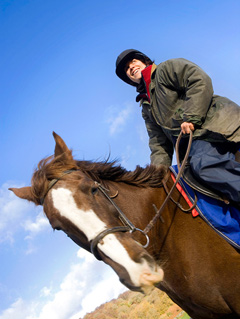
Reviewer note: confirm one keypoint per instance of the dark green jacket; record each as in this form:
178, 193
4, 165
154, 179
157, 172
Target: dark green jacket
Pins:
180, 92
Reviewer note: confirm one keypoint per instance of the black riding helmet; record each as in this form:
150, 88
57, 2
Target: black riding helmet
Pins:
125, 57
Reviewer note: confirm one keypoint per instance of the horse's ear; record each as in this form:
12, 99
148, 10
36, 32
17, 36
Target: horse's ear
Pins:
60, 147
24, 193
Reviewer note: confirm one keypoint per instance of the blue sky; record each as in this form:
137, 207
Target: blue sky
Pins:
58, 74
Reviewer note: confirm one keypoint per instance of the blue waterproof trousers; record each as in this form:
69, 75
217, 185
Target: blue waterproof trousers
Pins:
215, 165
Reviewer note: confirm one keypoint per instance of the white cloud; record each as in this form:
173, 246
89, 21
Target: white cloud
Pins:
12, 210
117, 118
40, 224
46, 291
88, 284
19, 215
103, 291
19, 309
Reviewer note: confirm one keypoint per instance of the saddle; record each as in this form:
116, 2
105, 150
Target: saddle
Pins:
194, 183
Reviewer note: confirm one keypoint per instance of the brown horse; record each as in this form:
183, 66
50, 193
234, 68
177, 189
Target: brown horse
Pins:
186, 258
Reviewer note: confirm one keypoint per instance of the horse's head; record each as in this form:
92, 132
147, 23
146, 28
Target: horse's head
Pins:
76, 204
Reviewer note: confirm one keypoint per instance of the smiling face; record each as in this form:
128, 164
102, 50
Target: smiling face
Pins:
133, 70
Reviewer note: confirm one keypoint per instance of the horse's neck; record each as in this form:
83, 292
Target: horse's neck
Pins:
138, 203
141, 204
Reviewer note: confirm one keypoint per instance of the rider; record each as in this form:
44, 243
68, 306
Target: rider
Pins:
177, 95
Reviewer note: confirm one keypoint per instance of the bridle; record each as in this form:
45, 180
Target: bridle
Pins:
128, 226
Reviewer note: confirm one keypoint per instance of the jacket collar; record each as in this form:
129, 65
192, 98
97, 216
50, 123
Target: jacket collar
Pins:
153, 71
145, 85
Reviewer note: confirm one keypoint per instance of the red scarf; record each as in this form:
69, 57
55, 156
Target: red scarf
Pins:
146, 73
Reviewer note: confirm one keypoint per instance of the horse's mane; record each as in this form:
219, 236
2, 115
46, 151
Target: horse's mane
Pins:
150, 176
53, 167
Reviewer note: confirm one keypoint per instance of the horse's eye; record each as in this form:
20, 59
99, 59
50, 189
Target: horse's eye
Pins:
94, 190
57, 228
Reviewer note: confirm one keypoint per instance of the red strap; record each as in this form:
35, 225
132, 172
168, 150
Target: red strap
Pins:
181, 191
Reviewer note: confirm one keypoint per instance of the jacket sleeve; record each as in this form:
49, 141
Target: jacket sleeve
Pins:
193, 87
161, 147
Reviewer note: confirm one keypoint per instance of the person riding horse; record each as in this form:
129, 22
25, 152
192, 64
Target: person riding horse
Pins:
177, 95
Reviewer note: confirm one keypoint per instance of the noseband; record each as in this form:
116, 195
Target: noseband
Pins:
128, 226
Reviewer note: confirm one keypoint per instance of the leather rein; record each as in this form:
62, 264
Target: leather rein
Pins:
128, 226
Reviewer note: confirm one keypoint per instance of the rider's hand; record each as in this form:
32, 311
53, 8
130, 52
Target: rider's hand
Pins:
186, 127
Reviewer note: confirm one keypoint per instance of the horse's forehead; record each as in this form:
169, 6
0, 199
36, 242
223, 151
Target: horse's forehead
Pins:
83, 216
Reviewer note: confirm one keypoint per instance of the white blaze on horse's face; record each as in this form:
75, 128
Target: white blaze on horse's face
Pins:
85, 220
91, 225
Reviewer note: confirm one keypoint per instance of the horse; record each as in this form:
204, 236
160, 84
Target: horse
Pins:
103, 208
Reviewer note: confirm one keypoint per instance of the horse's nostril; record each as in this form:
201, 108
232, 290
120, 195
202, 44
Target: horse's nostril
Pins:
151, 278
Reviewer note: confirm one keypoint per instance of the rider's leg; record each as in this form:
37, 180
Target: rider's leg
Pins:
216, 166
